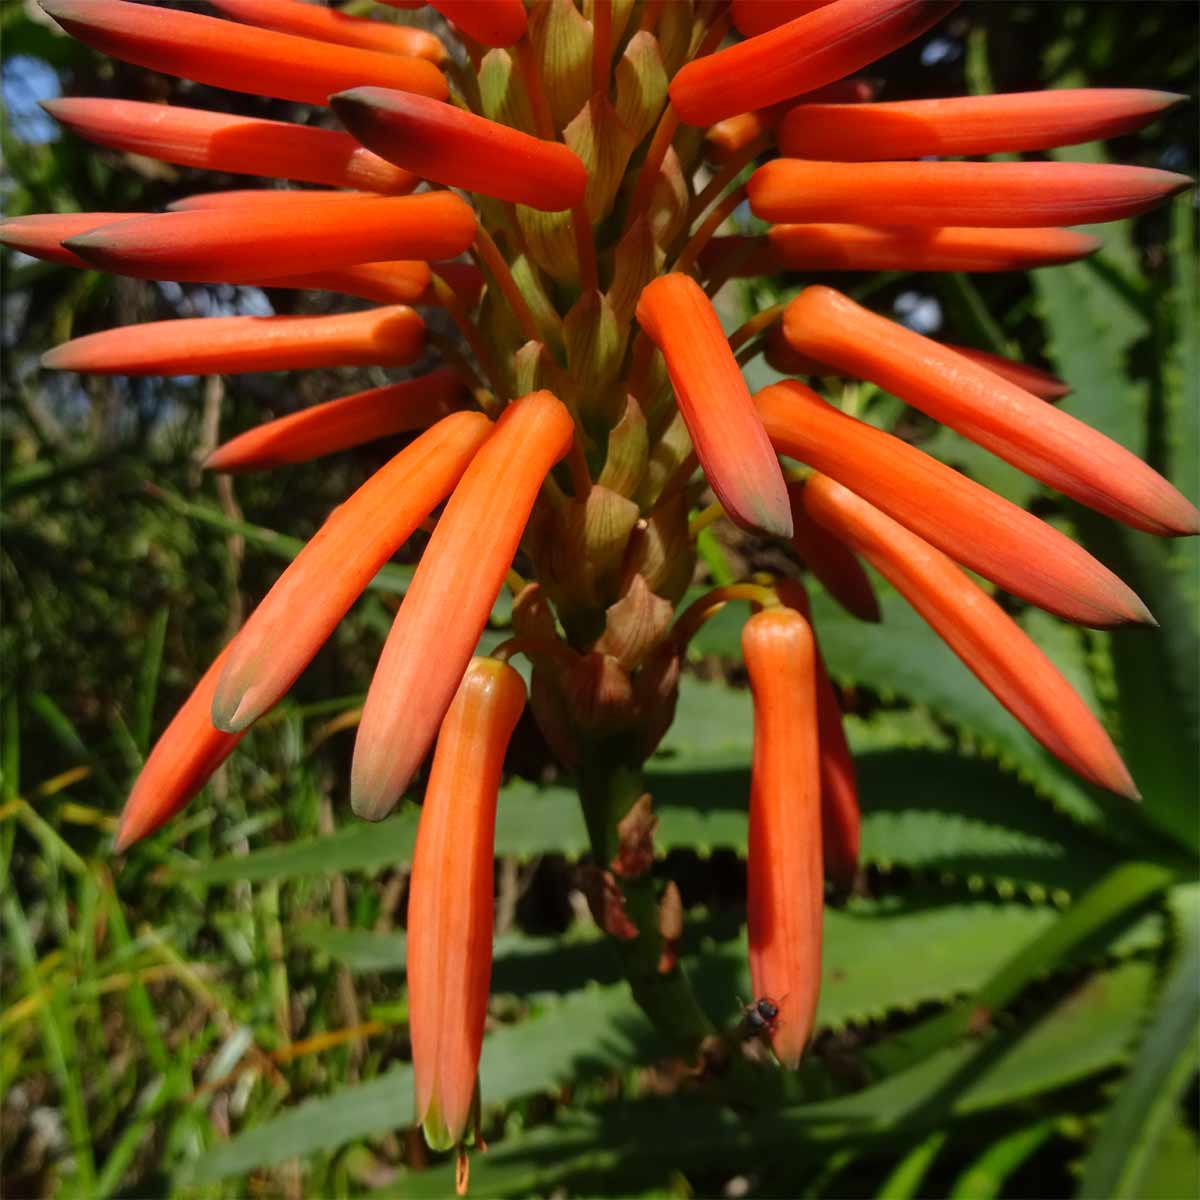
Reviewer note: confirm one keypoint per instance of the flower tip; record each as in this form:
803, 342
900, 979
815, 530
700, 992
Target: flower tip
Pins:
371, 800
231, 712
437, 1133
58, 358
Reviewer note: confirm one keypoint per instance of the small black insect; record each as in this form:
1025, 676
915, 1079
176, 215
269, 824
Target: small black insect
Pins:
760, 1017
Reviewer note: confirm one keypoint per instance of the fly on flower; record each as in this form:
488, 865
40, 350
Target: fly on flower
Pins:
532, 222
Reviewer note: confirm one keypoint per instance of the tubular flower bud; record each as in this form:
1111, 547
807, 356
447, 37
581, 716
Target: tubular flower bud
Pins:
1037, 438
784, 883
399, 282
450, 905
806, 53
229, 345
42, 234
1003, 195
752, 17
224, 54
715, 402
236, 245
331, 572
264, 198
448, 145
329, 25
913, 248
967, 124
831, 562
783, 358
179, 765
340, 424
193, 137
841, 818
489, 22
979, 631
974, 526
448, 601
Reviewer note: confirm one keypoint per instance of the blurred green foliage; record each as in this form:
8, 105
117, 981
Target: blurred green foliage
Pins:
1010, 1004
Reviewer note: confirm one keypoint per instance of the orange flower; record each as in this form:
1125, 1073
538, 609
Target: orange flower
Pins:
804, 54
968, 124
974, 526
491, 22
41, 235
715, 402
831, 562
450, 898
224, 54
329, 25
340, 424
1037, 438
228, 345
308, 600
246, 245
447, 604
979, 631
194, 137
184, 757
458, 148
783, 358
841, 819
752, 17
987, 194
400, 282
784, 884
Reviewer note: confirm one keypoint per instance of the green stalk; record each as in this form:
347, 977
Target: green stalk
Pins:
610, 780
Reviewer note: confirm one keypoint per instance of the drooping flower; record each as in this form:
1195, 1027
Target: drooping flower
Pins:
450, 898
784, 879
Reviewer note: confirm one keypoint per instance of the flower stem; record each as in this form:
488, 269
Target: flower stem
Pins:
755, 325
493, 262
601, 45
715, 219
610, 781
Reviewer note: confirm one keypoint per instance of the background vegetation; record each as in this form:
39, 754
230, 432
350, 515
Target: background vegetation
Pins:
1010, 1000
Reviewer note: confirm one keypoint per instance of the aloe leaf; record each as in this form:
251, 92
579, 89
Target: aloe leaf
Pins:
986, 1176
1147, 1103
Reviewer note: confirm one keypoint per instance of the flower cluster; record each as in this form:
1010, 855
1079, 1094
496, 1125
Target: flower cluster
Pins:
601, 147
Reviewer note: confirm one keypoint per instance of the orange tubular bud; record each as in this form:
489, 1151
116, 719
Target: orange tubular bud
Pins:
446, 606
386, 337
831, 562
264, 198
968, 124
781, 357
329, 25
1037, 438
798, 57
785, 891
340, 424
400, 282
1002, 195
979, 631
490, 22
224, 54
458, 148
973, 525
727, 137
841, 818
308, 600
728, 437
41, 235
450, 902
752, 17
247, 245
916, 248
180, 764
217, 141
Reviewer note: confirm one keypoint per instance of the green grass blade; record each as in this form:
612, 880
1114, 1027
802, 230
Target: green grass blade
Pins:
984, 1179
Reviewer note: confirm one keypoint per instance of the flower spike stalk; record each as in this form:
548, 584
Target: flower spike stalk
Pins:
450, 898
316, 591
784, 880
599, 242
459, 577
978, 630
1037, 438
